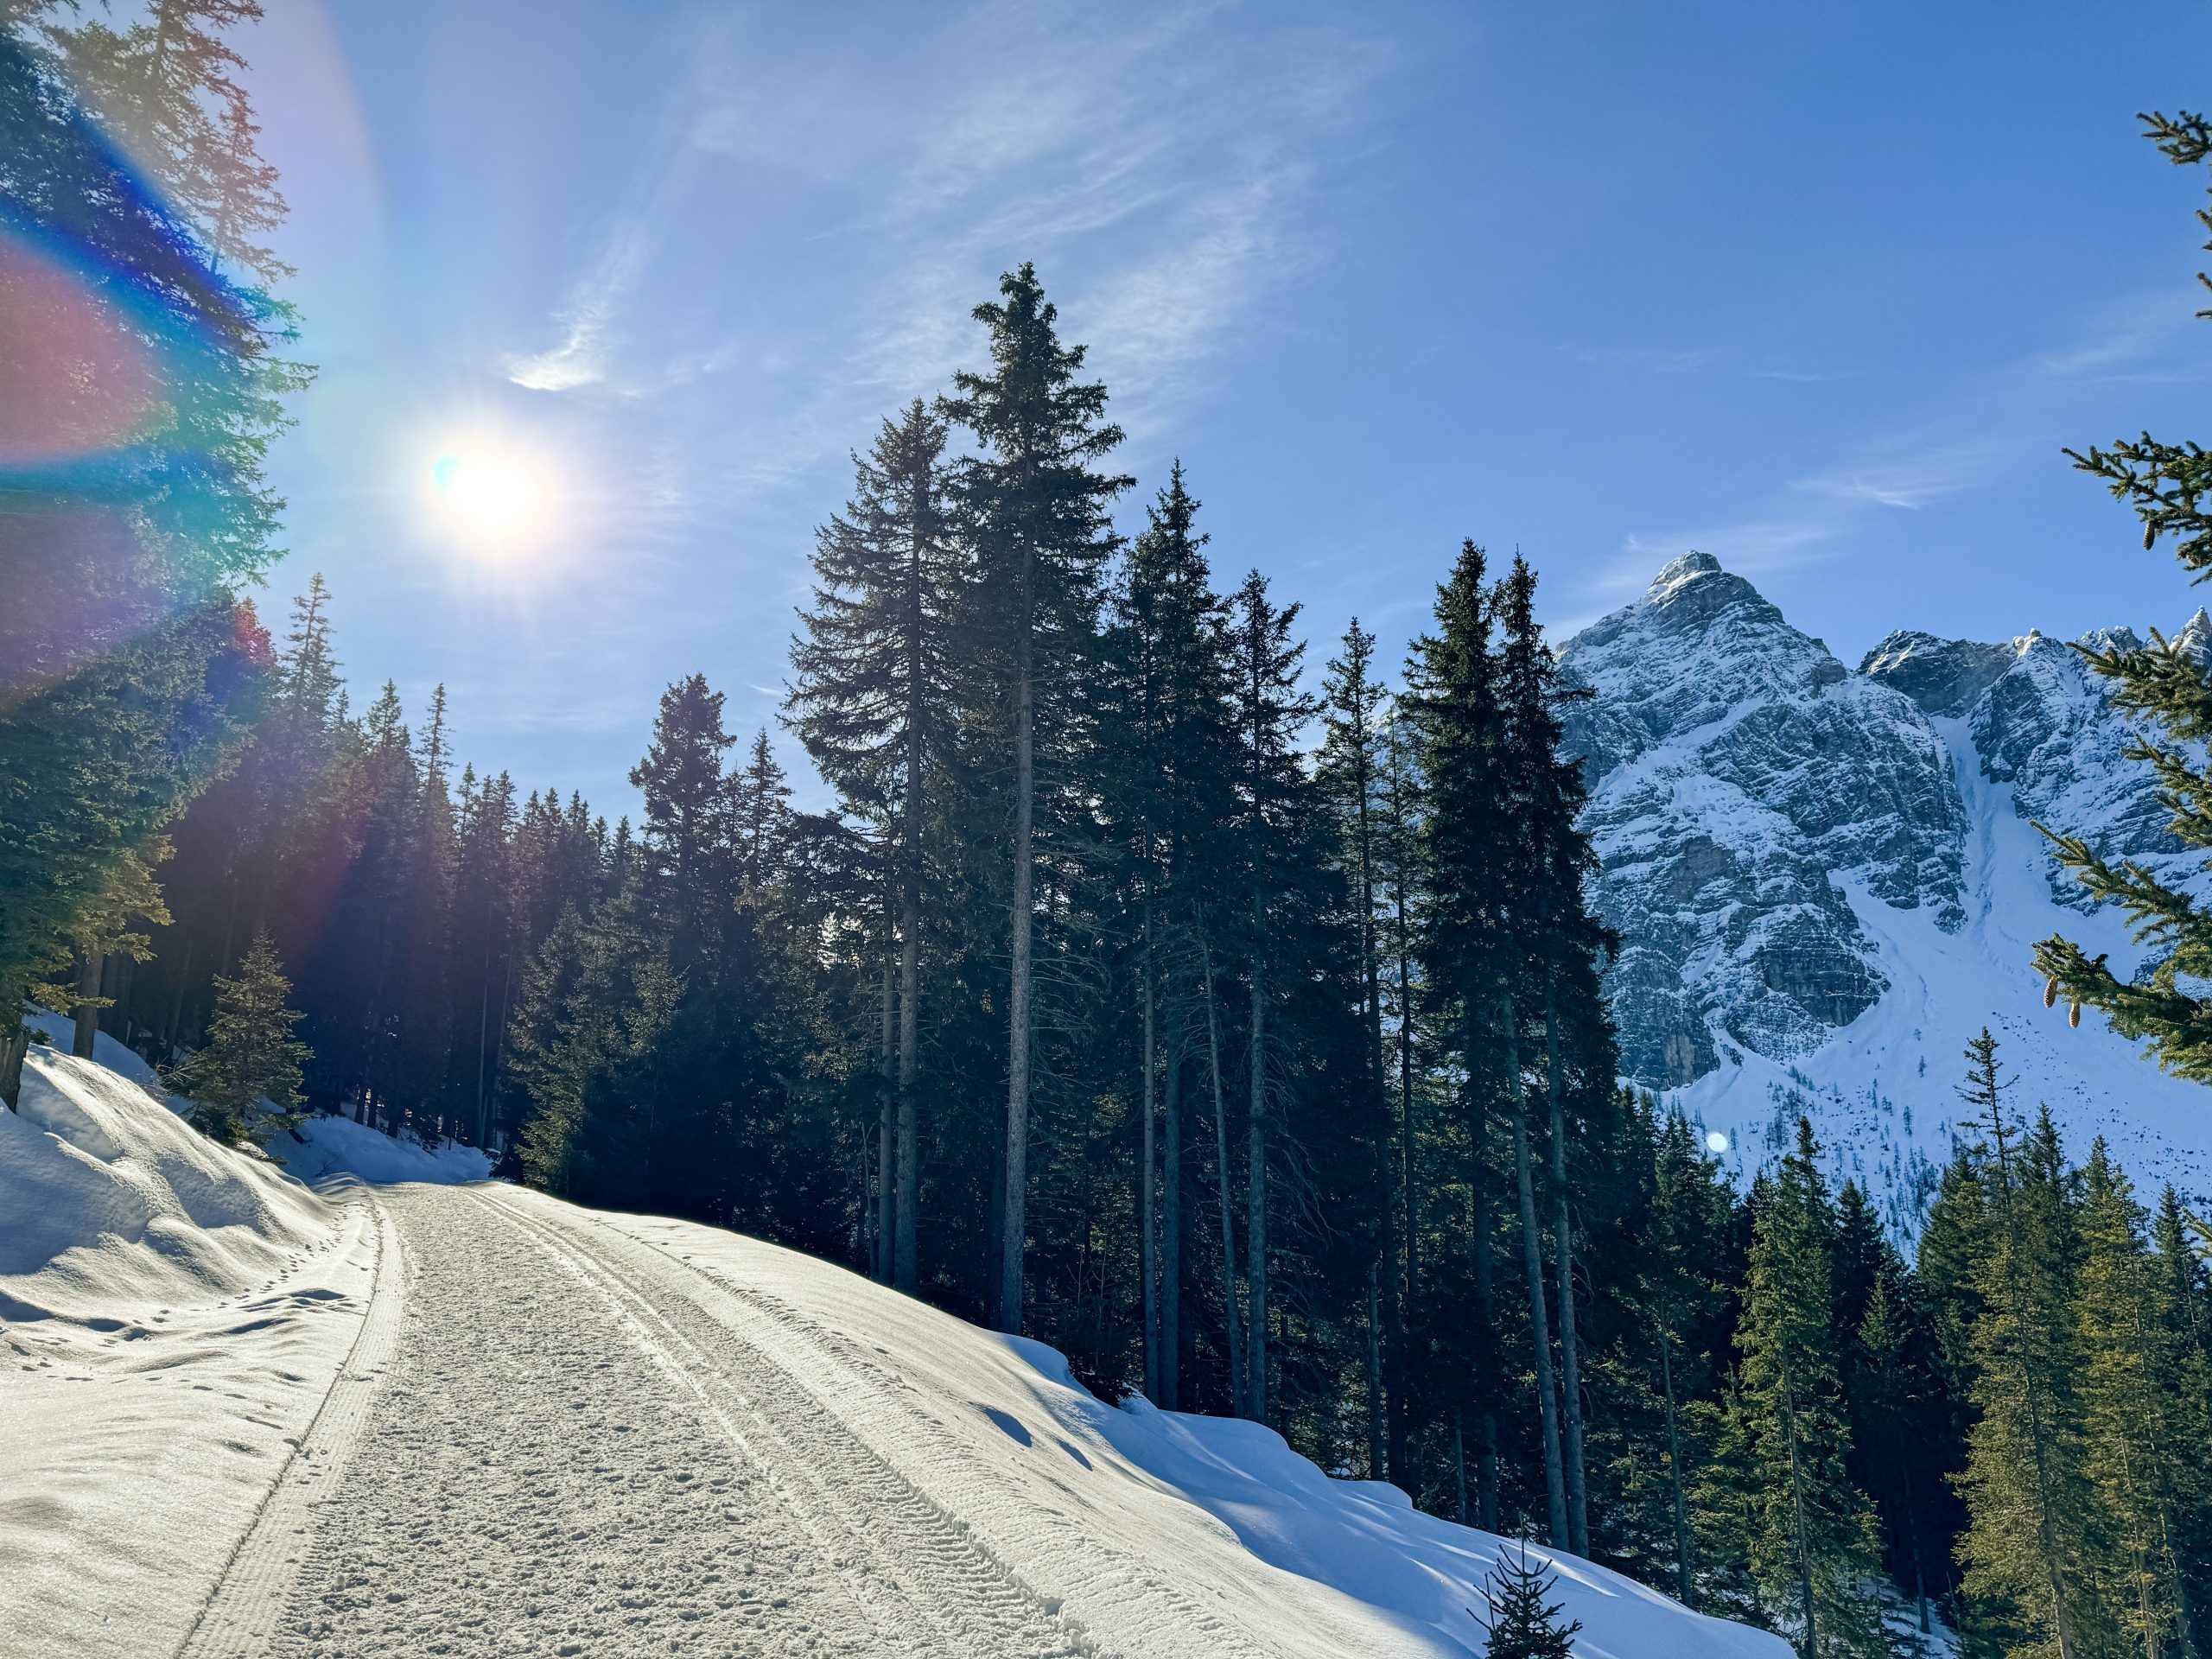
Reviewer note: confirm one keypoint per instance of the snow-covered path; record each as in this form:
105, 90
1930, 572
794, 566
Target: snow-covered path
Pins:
239, 1418
571, 1455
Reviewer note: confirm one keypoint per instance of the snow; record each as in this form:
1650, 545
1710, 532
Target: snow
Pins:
329, 1145
566, 1430
326, 1145
1882, 1092
170, 1314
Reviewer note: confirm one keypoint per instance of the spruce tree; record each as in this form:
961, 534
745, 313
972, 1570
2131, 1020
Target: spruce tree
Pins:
1679, 1286
1273, 821
871, 697
1565, 946
2168, 690
1169, 741
250, 1056
1520, 1620
1035, 505
2025, 1549
1469, 950
1815, 1548
1350, 774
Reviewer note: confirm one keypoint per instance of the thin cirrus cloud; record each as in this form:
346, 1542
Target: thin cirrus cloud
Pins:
1162, 190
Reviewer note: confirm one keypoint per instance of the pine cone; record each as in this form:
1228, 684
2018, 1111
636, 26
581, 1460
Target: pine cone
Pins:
2049, 992
2074, 1016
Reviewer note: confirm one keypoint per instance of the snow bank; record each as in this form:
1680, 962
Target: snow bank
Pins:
326, 1146
110, 1205
171, 1313
339, 1146
1116, 1515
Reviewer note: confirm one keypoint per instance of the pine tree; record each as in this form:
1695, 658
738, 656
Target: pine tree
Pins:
250, 1056
2136, 1434
1566, 947
1522, 1621
1679, 1285
1274, 820
2025, 1549
2163, 685
871, 701
1815, 1548
106, 929
1036, 510
1350, 775
128, 668
1169, 741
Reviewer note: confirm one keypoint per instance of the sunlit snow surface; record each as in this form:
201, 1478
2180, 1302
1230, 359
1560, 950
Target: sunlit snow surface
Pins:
325, 1146
199, 1305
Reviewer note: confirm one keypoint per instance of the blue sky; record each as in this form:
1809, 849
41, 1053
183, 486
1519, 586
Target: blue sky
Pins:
1821, 290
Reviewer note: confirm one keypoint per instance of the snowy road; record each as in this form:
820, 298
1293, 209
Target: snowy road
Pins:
239, 1418
571, 1454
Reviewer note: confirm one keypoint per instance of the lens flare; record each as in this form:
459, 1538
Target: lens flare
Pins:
491, 498
1715, 1141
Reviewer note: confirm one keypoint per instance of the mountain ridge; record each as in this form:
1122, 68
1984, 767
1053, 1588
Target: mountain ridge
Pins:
1827, 878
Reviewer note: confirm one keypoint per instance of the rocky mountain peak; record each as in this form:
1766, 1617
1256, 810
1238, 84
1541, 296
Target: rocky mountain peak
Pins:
1825, 880
2195, 636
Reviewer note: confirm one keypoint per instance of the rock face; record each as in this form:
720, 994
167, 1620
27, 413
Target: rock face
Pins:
1741, 777
1827, 880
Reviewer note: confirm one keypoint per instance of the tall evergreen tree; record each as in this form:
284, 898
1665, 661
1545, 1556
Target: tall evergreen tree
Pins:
2024, 1547
871, 700
1036, 507
1816, 1548
1275, 822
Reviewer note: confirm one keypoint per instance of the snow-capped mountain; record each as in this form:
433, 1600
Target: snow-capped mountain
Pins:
1826, 880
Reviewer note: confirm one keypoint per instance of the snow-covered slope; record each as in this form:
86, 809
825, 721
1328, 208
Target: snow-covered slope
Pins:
563, 1430
171, 1314
1826, 880
325, 1147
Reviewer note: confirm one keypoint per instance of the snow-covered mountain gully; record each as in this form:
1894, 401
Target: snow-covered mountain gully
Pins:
245, 1417
1827, 880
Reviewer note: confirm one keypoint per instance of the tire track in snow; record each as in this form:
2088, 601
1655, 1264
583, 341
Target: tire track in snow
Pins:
929, 1585
756, 1325
240, 1612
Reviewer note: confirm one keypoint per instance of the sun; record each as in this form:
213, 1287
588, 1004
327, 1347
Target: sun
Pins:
493, 498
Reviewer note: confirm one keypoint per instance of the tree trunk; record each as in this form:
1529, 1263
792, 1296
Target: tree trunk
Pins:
15, 1042
1810, 1649
1378, 1467
1013, 1236
1255, 1176
904, 1272
1236, 1384
1409, 1236
83, 1040
1478, 1229
1459, 1468
1532, 1254
1148, 1201
886, 1137
1171, 1234
1683, 1577
1577, 1506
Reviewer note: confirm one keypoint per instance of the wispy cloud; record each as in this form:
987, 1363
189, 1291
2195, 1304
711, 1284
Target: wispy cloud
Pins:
1913, 477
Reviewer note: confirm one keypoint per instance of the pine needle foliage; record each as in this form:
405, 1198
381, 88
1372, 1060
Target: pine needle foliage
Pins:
2169, 690
244, 1083
1520, 1619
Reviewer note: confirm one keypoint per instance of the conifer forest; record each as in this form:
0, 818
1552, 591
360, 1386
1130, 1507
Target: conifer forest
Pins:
1090, 948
